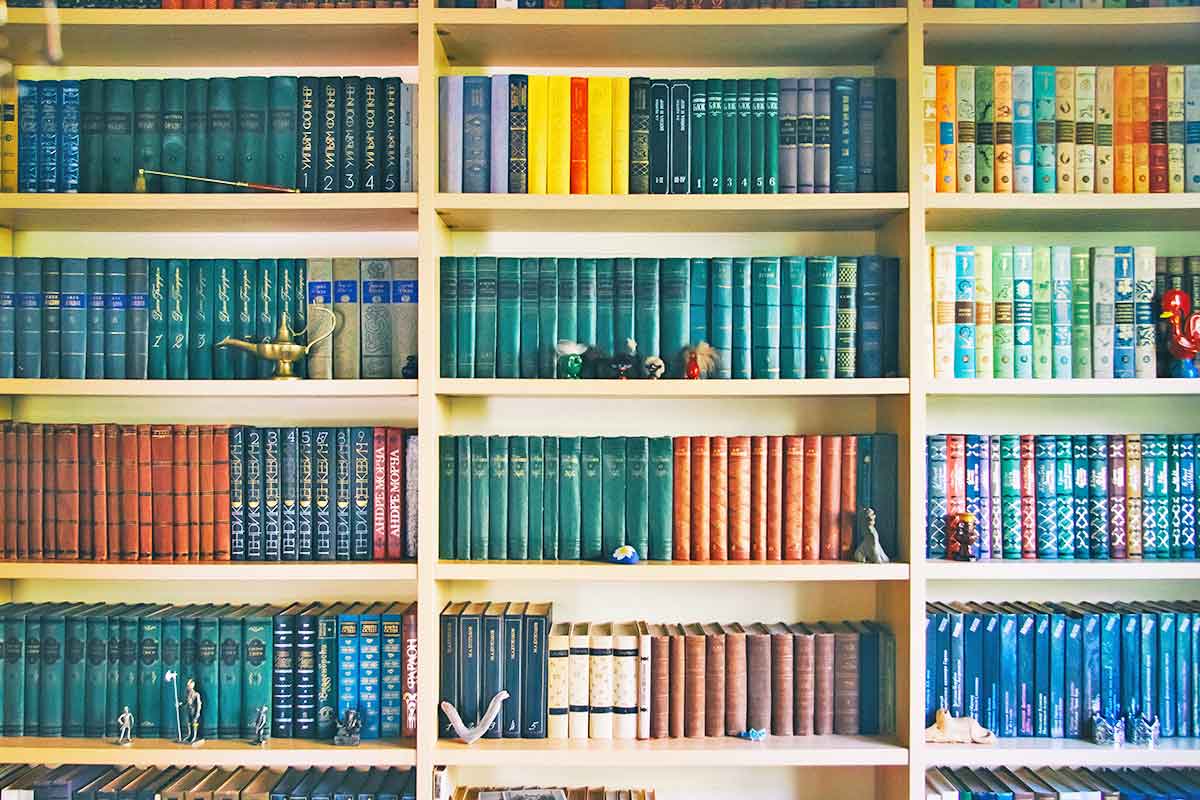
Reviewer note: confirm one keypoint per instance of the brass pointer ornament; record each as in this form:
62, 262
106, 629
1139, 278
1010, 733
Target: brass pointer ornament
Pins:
284, 351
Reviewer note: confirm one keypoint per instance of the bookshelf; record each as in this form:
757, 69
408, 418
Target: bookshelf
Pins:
429, 42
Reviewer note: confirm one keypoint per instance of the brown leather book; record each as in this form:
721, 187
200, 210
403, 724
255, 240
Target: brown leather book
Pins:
145, 482
260, 787
131, 499
676, 690
180, 496
845, 679
718, 498
700, 467
694, 651
739, 498
162, 476
220, 493
37, 465
735, 678
804, 656
87, 547
66, 464
20, 445
823, 685
189, 778
774, 498
205, 543
112, 486
811, 496
660, 682
681, 543
9, 488
758, 498
714, 680
758, 677
193, 485
49, 493
783, 673
849, 498
831, 498
232, 788
208, 787
793, 498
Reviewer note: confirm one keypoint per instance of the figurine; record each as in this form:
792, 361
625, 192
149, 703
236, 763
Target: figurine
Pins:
1183, 338
623, 363
753, 734
596, 363
262, 726
409, 370
1105, 731
570, 358
1145, 730
869, 550
349, 729
699, 361
471, 735
957, 730
653, 367
284, 350
194, 703
625, 554
125, 727
963, 542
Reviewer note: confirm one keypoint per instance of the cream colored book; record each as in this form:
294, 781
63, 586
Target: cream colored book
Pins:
319, 293
600, 680
929, 117
1104, 129
558, 135
347, 355
578, 666
984, 341
558, 680
1085, 130
643, 678
620, 135
1064, 129
943, 311
625, 680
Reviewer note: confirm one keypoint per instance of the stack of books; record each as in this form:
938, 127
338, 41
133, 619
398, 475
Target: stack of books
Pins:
1062, 783
633, 680
655, 4
559, 134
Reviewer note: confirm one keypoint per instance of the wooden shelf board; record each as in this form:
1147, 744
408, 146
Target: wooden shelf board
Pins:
667, 572
221, 571
1061, 212
952, 387
365, 211
200, 38
1064, 752
1034, 570
607, 38
222, 752
50, 387
668, 389
696, 213
728, 751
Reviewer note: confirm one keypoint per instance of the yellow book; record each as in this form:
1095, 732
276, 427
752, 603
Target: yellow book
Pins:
1141, 130
620, 135
1002, 92
1175, 129
947, 154
8, 135
600, 131
1123, 128
539, 107
558, 136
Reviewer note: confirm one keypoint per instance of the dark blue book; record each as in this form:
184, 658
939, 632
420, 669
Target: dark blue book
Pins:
536, 631
1058, 667
283, 670
390, 106
28, 147
989, 707
720, 319
91, 135
843, 129
679, 143
973, 669
28, 284
698, 302
350, 169
869, 357
254, 461
96, 318
470, 631
304, 724
73, 297
931, 668
1185, 698
518, 134
281, 127
8, 316
956, 666
309, 121
450, 644
1166, 699
1026, 677
68, 136
492, 662
246, 315
178, 317
891, 317
305, 493
250, 138
867, 180
138, 316
147, 130
343, 495
1147, 665
237, 493
289, 491
373, 124
660, 136
201, 319
115, 318
272, 490
1074, 724
329, 158
512, 631
1041, 670
477, 133
1126, 654
369, 662
941, 661
324, 494
362, 493
51, 316
870, 671
48, 106
393, 650
160, 300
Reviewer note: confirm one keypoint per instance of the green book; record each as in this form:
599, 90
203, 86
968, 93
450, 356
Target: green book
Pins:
819, 313
91, 135
250, 148
729, 167
147, 130
197, 133
462, 500
75, 669
985, 123
745, 136
637, 491
675, 301
178, 316
845, 355
699, 131
530, 320
246, 314
771, 138
266, 306
740, 308
612, 513
660, 501
224, 282
448, 317
222, 126
200, 320
33, 672
1003, 359
508, 318
1042, 301
465, 349
230, 697
283, 102
585, 312
547, 317
764, 317
95, 691
591, 541
518, 498
14, 669
758, 134
605, 299
160, 300
486, 299
569, 519
326, 663
128, 634
447, 501
791, 316
568, 300
714, 137
623, 316
170, 660
535, 502
549, 498
53, 669
645, 307
480, 491
1081, 313
208, 666
497, 537
174, 134
112, 682
118, 136
257, 660
150, 674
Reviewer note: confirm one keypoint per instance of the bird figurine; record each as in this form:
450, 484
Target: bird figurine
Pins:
653, 367
570, 358
1183, 337
623, 363
699, 361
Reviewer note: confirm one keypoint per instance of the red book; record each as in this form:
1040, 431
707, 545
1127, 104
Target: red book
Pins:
682, 491
162, 476
758, 498
21, 437
1158, 129
129, 508
37, 464
700, 468
1028, 499
193, 4
193, 485
180, 494
395, 495
831, 497
793, 498
208, 511
956, 475
145, 490
172, 4
112, 481
379, 493
849, 500
774, 513
83, 469
97, 465
220, 493
408, 632
579, 135
50, 494
812, 498
718, 498
8, 491
218, 3
66, 464
738, 470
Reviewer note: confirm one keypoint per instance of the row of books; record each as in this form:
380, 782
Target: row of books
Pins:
1044, 669
316, 134
1061, 783
1054, 3
224, 4
765, 317
96, 782
1044, 496
634, 680
697, 498
1098, 129
554, 793
1045, 311
559, 134
336, 663
656, 4
108, 492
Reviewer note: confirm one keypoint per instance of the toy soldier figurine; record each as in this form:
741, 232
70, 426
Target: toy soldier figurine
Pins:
193, 702
125, 724
262, 726
348, 729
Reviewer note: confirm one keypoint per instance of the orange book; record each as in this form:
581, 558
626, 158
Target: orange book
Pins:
131, 496
812, 498
774, 498
145, 511
1157, 129
793, 498
193, 485
162, 465
1002, 93
947, 153
579, 136
66, 464
99, 498
682, 524
758, 498
21, 449
37, 463
831, 497
718, 498
700, 498
83, 469
849, 502
1141, 130
1123, 129
112, 480
8, 490
739, 498
49, 494
220, 482
207, 517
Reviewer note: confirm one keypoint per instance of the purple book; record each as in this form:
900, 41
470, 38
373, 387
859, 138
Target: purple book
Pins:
450, 130
821, 135
805, 127
499, 177
412, 450
789, 112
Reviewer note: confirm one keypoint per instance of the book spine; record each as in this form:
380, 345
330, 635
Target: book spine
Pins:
1144, 98
1159, 166
1103, 312
178, 317
476, 133
1143, 312
964, 92
679, 139
698, 128
764, 318
1064, 128
1045, 127
51, 316
822, 136
1191, 127
1124, 323
499, 142
117, 300
985, 139
947, 153
805, 135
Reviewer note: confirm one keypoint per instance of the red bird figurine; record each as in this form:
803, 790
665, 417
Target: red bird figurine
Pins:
1184, 339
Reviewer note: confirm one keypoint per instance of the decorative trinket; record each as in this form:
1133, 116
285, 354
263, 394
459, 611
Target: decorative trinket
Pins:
262, 726
948, 729
570, 358
753, 734
139, 183
284, 350
625, 554
623, 363
963, 541
1183, 338
409, 370
125, 728
653, 367
1106, 731
699, 361
194, 703
1144, 730
349, 729
869, 550
471, 735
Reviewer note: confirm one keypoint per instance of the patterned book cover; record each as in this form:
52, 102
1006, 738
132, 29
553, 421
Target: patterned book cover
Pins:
1081, 313
964, 98
947, 152
1103, 311
1143, 312
985, 127
1023, 312
1001, 268
1098, 488
1176, 133
1085, 129
1124, 327
1023, 130
1141, 136
1046, 494
558, 681
1158, 115
1064, 128
1105, 113
1191, 113
1117, 535
1045, 129
1060, 312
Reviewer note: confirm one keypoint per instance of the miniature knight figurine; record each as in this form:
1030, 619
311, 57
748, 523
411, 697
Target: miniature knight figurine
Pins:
869, 550
262, 726
957, 730
193, 702
125, 727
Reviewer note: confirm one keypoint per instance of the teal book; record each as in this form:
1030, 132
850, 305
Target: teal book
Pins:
497, 489
150, 674
720, 313
197, 133
758, 134
224, 311
329, 146
675, 298
1045, 162
585, 312
250, 142
160, 304
568, 300
714, 138
174, 134
266, 306
447, 501
127, 669
1043, 296
96, 315
173, 639
535, 502
570, 540
637, 494
465, 316
508, 318
53, 669
645, 307
112, 681
463, 489
846, 332
343, 495
73, 300
1081, 314
147, 130
729, 166
75, 669
351, 121
116, 301
51, 316
288, 297
222, 132
819, 314
208, 665
741, 341
374, 126
257, 661
137, 338
792, 275
485, 316
95, 690
764, 318
368, 669
518, 498
376, 318
659, 499
745, 120
591, 482
200, 320
118, 136
528, 339
178, 317
448, 317
699, 133
550, 522
612, 513
605, 298
14, 669
283, 103
771, 137
230, 673
244, 320
698, 301
623, 302
547, 316
480, 492
91, 135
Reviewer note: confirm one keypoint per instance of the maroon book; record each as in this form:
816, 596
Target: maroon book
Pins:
735, 679
37, 465
162, 476
221, 493
50, 494
823, 684
193, 487
144, 486
394, 551
66, 465
408, 631
783, 675
714, 680
379, 493
758, 677
181, 495
99, 483
700, 519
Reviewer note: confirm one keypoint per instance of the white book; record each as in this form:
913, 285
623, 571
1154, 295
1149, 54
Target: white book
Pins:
941, 784
600, 681
643, 728
1176, 135
1145, 358
964, 92
943, 311
984, 318
506, 3
929, 117
1085, 129
404, 314
1104, 129
1103, 296
320, 293
625, 680
558, 649
577, 686
1064, 128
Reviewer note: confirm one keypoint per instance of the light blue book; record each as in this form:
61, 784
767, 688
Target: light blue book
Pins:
1124, 331
1103, 277
1023, 311
1060, 311
720, 313
1045, 153
1041, 313
964, 311
1022, 89
1191, 116
1003, 364
791, 317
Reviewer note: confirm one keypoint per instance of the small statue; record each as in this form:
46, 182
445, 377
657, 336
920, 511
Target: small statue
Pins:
753, 734
471, 735
1106, 731
409, 370
1183, 338
625, 554
699, 361
869, 550
194, 703
596, 363
957, 730
963, 542
284, 350
262, 726
570, 358
125, 727
349, 729
653, 367
1145, 730
623, 363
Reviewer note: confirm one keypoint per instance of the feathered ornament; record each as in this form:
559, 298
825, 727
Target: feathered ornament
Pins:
699, 361
653, 367
623, 363
570, 358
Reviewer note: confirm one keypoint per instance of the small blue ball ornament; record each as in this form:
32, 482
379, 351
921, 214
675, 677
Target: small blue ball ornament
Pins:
625, 555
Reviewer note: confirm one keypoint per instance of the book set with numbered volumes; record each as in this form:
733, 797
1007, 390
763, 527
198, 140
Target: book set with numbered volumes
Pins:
1060, 783
638, 680
1082, 496
315, 134
1064, 129
189, 493
223, 4
160, 318
96, 782
559, 134
332, 658
687, 498
1044, 669
765, 317
554, 793
658, 4
1085, 4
